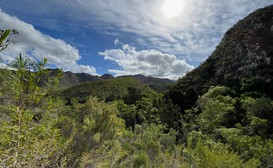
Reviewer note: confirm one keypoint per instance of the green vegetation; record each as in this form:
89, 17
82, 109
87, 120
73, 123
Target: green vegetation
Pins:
216, 116
139, 129
115, 88
5, 38
28, 137
70, 79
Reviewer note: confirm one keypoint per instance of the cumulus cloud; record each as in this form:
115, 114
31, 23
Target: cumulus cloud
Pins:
147, 62
37, 45
192, 35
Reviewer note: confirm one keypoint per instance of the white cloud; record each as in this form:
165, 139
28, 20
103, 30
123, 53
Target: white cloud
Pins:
117, 42
192, 35
83, 69
37, 45
147, 62
5, 66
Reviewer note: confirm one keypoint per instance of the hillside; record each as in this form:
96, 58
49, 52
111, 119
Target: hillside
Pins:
242, 61
70, 79
157, 84
104, 88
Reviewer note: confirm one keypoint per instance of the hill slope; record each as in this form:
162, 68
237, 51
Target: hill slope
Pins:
157, 84
71, 79
243, 61
104, 88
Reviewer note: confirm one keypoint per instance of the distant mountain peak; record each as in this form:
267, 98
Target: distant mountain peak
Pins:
107, 76
71, 79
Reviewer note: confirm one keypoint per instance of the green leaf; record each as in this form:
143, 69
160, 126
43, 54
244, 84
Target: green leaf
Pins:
4, 36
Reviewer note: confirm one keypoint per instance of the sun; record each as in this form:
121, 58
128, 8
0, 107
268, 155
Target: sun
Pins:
172, 8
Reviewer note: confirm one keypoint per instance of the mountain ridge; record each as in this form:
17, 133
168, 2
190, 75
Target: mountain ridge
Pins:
243, 61
70, 79
104, 89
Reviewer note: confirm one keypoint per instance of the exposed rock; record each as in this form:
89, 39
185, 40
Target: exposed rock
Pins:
245, 53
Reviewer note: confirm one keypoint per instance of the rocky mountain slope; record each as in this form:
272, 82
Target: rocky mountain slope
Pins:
242, 61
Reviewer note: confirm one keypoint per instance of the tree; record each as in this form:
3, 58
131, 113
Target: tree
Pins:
259, 113
217, 109
5, 38
26, 139
133, 95
170, 115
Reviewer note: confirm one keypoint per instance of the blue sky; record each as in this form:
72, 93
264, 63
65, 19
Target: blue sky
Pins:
160, 38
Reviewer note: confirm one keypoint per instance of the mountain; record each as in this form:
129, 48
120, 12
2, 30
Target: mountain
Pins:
70, 79
106, 76
242, 61
157, 84
102, 89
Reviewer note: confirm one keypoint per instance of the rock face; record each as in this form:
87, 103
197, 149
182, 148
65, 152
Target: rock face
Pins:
247, 48
243, 60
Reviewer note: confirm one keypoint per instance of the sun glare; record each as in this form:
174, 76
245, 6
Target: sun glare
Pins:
172, 8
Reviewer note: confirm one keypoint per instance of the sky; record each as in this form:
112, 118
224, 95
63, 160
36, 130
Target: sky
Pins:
159, 38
